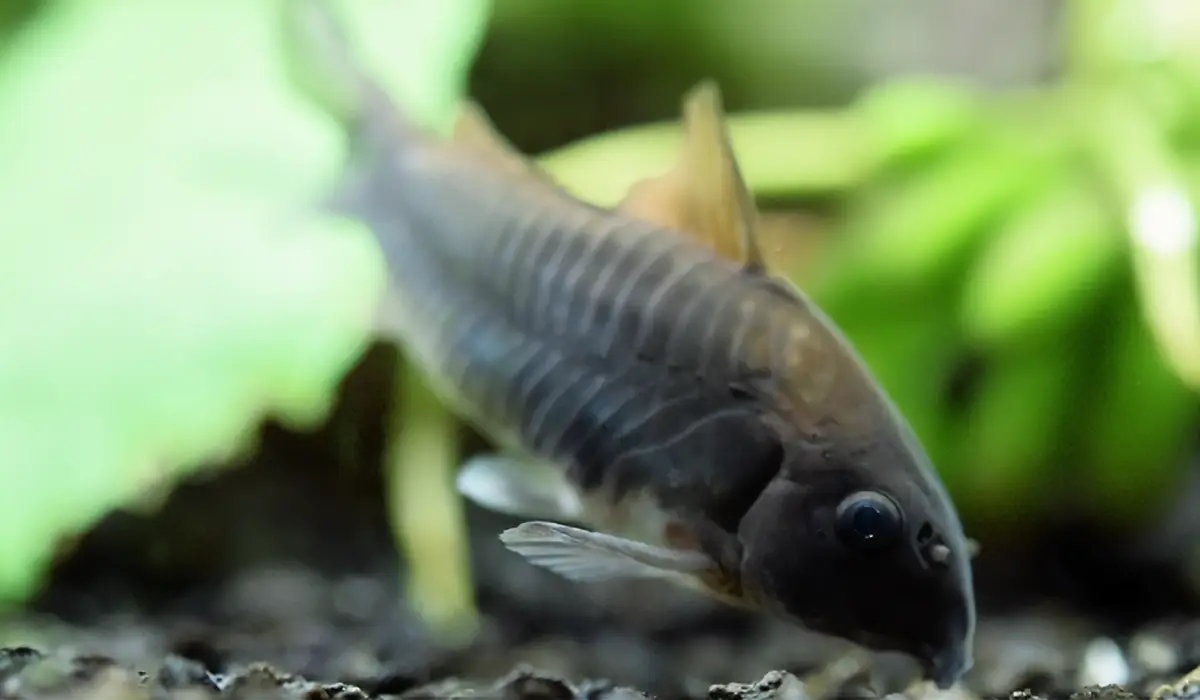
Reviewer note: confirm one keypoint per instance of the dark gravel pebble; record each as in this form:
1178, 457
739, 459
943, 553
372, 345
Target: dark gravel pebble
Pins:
29, 674
32, 675
249, 583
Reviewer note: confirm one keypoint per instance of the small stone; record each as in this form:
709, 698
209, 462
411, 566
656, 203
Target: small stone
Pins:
1103, 664
273, 596
178, 672
603, 690
776, 685
1186, 688
48, 674
624, 656
357, 598
258, 682
358, 661
14, 659
927, 690
1108, 692
113, 683
1153, 654
1039, 653
193, 694
447, 689
846, 676
620, 693
523, 683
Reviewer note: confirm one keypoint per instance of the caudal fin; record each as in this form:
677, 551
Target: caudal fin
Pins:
321, 62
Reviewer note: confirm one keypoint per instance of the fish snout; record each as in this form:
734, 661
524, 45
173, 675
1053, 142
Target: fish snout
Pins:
947, 653
945, 666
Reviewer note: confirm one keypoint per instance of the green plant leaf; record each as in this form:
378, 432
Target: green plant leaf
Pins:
163, 282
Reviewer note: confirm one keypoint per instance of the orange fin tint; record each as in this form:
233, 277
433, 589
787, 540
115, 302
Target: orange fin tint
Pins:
474, 131
703, 193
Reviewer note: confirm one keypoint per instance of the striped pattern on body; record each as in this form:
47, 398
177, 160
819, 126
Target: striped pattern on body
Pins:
585, 336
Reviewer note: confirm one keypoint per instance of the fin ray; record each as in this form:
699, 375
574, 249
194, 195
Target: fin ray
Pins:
583, 555
703, 194
723, 207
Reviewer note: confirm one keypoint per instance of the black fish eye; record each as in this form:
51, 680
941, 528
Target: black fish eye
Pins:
868, 520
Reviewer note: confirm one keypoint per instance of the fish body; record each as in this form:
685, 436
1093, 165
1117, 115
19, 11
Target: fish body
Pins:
648, 379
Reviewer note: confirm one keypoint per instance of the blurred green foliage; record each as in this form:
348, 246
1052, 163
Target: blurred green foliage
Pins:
1038, 222
1019, 269
165, 284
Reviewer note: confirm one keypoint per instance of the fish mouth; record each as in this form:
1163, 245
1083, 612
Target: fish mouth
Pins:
946, 666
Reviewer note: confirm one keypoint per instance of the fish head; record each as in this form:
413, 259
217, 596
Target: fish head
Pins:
856, 538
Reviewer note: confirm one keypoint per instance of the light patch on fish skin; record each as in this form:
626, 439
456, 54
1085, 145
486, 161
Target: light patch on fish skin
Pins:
823, 381
636, 516
746, 308
816, 387
716, 583
807, 363
795, 357
583, 555
742, 332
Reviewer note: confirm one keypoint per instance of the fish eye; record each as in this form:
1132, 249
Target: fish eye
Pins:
868, 520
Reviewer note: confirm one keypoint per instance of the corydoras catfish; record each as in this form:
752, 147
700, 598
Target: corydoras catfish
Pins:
646, 377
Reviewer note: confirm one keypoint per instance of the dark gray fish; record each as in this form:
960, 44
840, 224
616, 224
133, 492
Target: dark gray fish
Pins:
647, 378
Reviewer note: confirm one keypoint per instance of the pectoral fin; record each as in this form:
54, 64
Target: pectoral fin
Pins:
582, 555
518, 486
703, 193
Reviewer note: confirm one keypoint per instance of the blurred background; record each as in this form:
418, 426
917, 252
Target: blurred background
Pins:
995, 201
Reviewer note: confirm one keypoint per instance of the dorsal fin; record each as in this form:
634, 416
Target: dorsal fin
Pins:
703, 193
722, 202
475, 132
